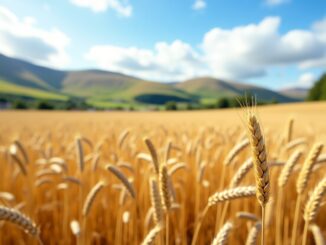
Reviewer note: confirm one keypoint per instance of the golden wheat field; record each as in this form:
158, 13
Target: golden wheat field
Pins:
206, 177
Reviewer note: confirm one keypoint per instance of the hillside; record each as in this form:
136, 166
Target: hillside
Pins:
25, 79
297, 93
207, 87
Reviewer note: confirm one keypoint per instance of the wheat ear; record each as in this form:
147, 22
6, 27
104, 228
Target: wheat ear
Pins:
164, 187
156, 201
80, 153
246, 215
236, 151
153, 152
229, 194
318, 235
241, 173
306, 170
91, 197
122, 178
19, 219
288, 167
314, 201
259, 157
222, 236
149, 239
253, 234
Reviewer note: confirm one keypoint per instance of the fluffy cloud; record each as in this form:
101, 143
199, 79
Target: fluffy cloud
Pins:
199, 4
275, 2
22, 38
239, 53
305, 80
173, 61
121, 6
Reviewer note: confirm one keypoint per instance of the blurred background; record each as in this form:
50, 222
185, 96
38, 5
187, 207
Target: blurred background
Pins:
160, 55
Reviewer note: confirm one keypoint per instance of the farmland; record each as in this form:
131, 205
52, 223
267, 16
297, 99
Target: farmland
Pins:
91, 177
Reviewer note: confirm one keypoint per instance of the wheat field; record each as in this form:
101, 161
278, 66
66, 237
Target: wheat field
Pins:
164, 177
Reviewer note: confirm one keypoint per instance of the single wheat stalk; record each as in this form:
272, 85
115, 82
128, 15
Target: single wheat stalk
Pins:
314, 201
19, 219
300, 141
122, 138
91, 197
22, 150
288, 167
164, 187
222, 236
259, 156
80, 153
253, 234
246, 215
241, 173
153, 152
236, 150
122, 178
177, 167
289, 130
306, 170
318, 235
150, 237
156, 201
229, 194
17, 160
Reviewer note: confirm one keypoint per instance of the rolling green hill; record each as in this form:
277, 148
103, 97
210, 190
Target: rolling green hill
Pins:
102, 87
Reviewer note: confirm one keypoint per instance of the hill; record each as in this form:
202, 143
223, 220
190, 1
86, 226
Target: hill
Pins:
18, 77
211, 88
295, 92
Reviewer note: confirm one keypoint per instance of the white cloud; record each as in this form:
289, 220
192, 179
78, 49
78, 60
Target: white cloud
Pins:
305, 80
275, 2
22, 38
173, 61
239, 53
120, 6
199, 4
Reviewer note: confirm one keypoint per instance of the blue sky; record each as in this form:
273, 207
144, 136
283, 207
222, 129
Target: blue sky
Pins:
274, 43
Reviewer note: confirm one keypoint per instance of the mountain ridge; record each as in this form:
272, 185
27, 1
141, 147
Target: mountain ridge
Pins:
107, 86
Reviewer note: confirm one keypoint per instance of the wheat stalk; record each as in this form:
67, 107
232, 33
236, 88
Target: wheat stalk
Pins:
222, 236
150, 237
241, 173
318, 235
153, 152
236, 151
164, 187
229, 194
288, 167
156, 200
19, 219
246, 215
253, 234
91, 197
306, 170
122, 178
80, 153
314, 201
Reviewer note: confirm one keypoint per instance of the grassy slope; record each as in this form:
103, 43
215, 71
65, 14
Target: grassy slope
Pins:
10, 88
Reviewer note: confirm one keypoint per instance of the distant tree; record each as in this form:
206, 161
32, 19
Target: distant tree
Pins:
318, 91
171, 106
189, 106
223, 103
44, 105
19, 104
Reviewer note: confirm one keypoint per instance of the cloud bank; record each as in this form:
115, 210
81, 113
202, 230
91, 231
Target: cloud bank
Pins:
242, 52
22, 38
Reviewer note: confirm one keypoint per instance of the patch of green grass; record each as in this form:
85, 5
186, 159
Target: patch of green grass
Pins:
9, 88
